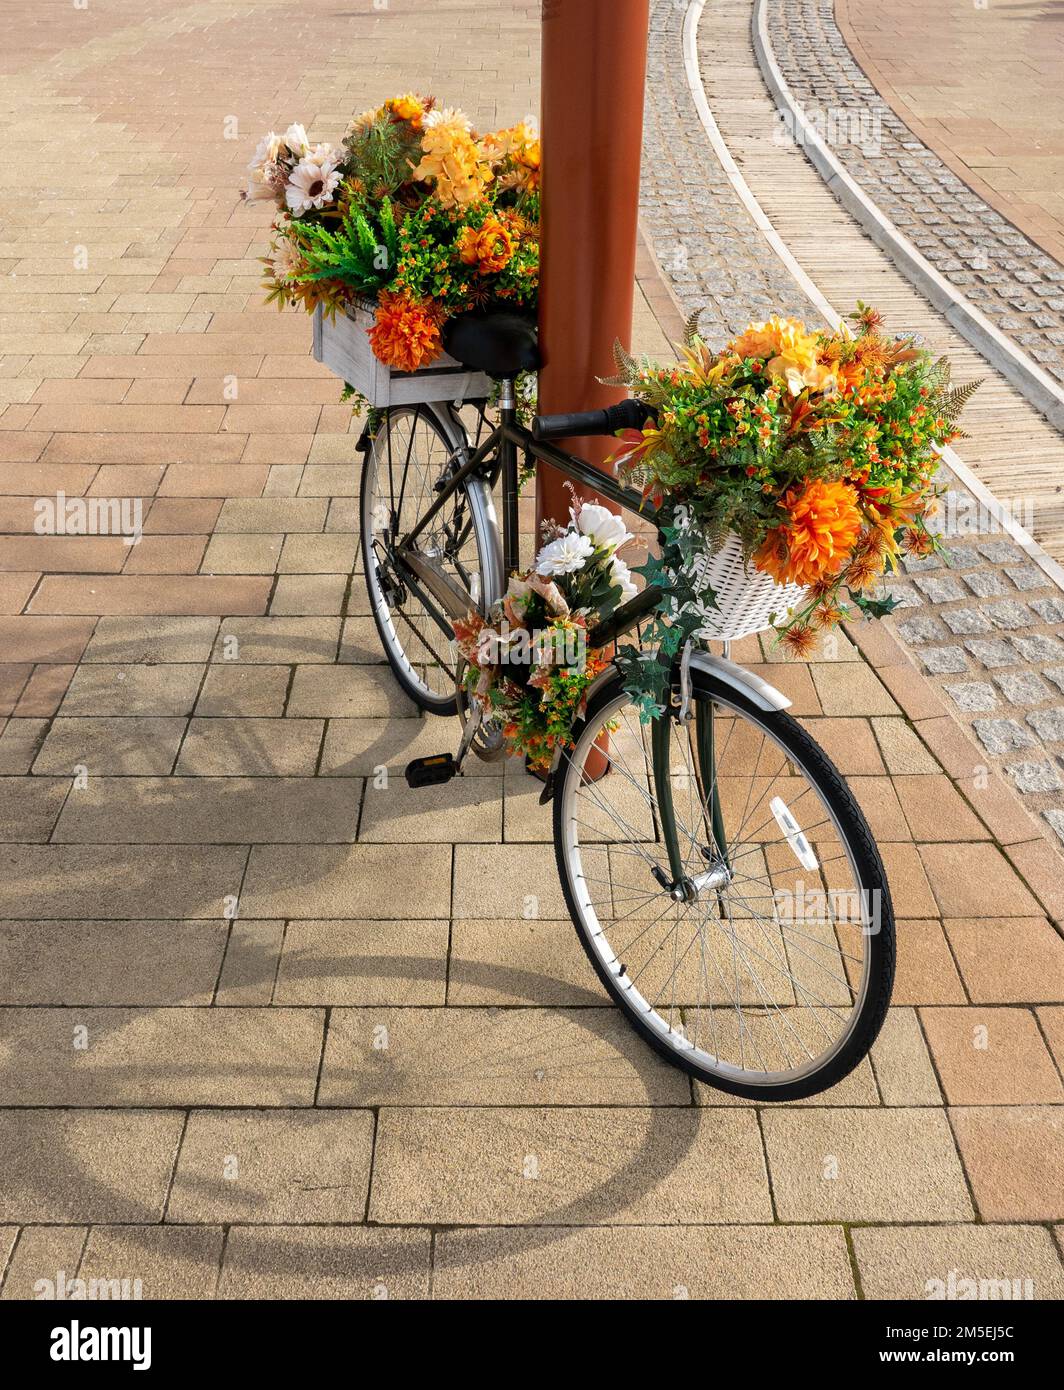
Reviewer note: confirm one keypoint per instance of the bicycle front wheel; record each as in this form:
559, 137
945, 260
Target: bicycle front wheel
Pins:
764, 965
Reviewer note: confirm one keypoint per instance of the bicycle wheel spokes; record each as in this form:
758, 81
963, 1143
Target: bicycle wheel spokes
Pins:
753, 968
406, 461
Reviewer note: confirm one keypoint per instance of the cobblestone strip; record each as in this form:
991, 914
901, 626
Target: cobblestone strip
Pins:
988, 602
997, 268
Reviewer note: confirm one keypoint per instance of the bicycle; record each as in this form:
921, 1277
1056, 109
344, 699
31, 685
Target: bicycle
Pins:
720, 876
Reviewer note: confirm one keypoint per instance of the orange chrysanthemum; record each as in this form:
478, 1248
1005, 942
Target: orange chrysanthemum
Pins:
824, 523
407, 107
489, 247
406, 334
799, 640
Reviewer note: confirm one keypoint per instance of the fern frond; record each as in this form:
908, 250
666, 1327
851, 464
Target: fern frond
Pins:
690, 328
957, 399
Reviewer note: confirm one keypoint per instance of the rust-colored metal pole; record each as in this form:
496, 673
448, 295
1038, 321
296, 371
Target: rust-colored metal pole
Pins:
594, 69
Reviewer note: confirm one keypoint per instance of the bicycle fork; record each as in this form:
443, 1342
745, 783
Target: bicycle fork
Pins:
685, 886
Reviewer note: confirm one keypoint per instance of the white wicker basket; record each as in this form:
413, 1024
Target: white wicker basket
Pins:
746, 598
342, 344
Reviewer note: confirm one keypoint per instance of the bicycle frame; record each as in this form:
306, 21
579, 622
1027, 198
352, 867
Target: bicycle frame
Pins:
497, 457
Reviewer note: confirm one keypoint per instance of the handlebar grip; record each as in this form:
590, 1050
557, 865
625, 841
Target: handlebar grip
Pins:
626, 415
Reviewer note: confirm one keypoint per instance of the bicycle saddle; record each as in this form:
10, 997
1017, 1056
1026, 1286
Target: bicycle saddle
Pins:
498, 343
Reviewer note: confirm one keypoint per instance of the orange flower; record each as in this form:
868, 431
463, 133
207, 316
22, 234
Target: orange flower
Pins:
406, 333
817, 540
408, 107
489, 247
799, 640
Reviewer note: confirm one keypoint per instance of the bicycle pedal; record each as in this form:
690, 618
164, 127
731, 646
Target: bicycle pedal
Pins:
431, 771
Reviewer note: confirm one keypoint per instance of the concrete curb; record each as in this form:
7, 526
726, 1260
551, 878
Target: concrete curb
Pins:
1011, 361
745, 193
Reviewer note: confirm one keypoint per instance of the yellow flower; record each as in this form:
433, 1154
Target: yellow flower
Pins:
452, 159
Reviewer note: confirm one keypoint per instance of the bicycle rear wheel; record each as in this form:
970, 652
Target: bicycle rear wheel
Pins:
765, 967
407, 461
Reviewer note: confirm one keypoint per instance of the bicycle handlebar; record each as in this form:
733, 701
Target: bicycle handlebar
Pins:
626, 415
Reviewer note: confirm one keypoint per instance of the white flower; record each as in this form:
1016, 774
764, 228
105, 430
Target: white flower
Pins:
564, 555
295, 137
604, 528
622, 575
286, 260
447, 116
313, 181
266, 152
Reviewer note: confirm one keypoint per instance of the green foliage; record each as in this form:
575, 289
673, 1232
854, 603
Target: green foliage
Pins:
383, 153
361, 253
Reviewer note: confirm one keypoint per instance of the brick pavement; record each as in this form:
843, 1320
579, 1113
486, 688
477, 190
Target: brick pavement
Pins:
201, 1102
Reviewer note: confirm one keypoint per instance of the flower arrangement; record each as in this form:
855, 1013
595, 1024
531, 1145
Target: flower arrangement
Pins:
817, 449
528, 665
415, 210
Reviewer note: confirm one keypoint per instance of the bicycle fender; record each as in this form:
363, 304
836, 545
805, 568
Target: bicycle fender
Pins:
749, 683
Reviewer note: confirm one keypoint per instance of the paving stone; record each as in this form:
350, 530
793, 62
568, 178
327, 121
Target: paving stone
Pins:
507, 881
991, 1057
325, 1262
19, 741
368, 962
975, 880
922, 628
520, 962
86, 1165
983, 584
569, 1167
491, 1057
331, 881
1056, 821
1035, 776
363, 747
1014, 1157
250, 966
718, 1262
901, 1062
1050, 610
93, 1056
212, 810
963, 621
271, 641
1048, 724
903, 751
1009, 960
1056, 675
131, 745
1022, 687
85, 881
1009, 615
941, 589
974, 697
168, 1262
468, 810
287, 1166
301, 595
347, 692
864, 1165
992, 652
1026, 577
109, 962
921, 1262
1000, 736
944, 661
243, 691
925, 972
122, 690
151, 641
1037, 647
45, 1262
251, 748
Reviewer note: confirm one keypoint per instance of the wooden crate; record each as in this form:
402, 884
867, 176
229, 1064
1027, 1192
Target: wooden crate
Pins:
342, 344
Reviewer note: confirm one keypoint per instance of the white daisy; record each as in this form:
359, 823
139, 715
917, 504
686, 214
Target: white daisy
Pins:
564, 555
313, 181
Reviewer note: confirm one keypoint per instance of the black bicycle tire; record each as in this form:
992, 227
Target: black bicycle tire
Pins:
882, 948
442, 708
